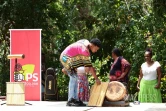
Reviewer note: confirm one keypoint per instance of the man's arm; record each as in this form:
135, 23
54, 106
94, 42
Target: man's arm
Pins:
93, 72
64, 71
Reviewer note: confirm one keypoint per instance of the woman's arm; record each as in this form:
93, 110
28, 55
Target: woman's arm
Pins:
125, 68
159, 77
139, 79
125, 72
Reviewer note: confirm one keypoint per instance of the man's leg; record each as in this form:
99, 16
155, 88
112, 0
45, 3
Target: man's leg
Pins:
72, 93
73, 99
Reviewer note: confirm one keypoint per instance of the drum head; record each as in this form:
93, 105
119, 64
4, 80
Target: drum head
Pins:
116, 91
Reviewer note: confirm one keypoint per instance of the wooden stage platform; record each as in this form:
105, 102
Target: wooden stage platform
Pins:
61, 105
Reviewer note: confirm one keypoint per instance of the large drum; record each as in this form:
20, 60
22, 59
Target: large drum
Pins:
116, 91
15, 93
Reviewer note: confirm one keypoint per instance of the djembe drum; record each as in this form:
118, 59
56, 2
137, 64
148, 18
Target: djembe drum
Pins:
116, 91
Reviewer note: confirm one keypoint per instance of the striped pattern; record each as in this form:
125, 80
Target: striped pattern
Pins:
77, 61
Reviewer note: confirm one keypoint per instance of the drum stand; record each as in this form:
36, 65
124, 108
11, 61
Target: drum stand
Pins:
25, 103
15, 70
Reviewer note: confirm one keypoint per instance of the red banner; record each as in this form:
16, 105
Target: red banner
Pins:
27, 42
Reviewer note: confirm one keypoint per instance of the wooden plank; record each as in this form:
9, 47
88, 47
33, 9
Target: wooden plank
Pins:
15, 99
103, 90
97, 94
91, 89
92, 99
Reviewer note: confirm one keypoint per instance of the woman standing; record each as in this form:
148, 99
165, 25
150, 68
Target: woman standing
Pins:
149, 80
120, 68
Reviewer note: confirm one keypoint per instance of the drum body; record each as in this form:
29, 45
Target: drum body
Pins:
15, 93
116, 91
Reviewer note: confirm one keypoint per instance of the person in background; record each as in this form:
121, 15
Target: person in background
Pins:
120, 70
74, 56
149, 80
83, 84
